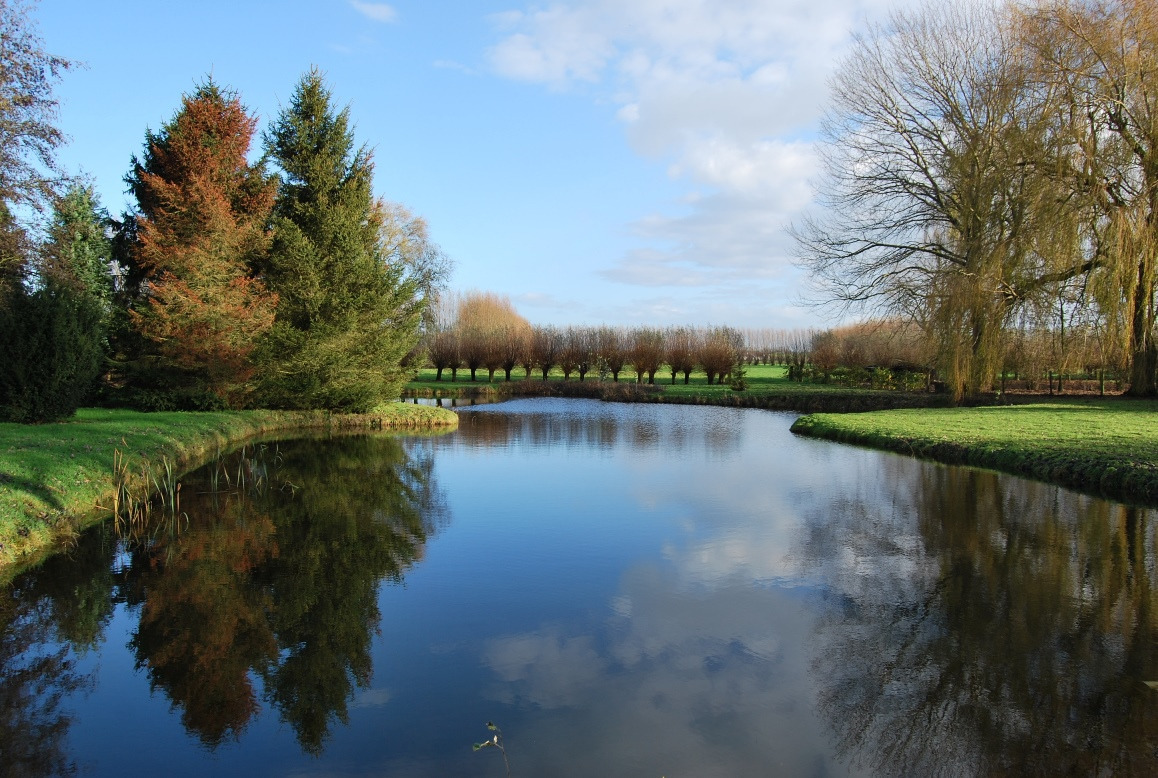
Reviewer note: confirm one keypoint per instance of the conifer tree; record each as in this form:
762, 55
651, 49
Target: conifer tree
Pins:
347, 316
200, 232
78, 251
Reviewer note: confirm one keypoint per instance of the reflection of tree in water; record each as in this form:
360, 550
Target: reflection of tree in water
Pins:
280, 579
985, 625
600, 425
203, 621
365, 515
47, 616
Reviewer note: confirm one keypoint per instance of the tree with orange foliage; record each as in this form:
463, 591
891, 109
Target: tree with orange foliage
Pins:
491, 332
200, 229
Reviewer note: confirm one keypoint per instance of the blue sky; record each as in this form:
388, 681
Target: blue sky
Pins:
599, 161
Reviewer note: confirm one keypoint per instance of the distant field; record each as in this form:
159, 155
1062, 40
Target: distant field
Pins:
762, 379
1105, 447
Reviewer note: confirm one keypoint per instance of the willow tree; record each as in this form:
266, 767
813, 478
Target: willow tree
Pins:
936, 184
490, 332
347, 315
1104, 55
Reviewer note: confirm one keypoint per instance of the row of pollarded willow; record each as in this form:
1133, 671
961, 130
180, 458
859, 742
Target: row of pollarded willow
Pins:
604, 351
995, 168
483, 331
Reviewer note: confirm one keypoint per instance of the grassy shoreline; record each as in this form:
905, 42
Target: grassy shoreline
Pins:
768, 388
58, 478
1104, 447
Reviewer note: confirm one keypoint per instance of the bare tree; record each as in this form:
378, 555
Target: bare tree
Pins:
29, 138
646, 353
938, 156
578, 351
546, 345
515, 347
404, 241
826, 353
681, 344
442, 349
28, 110
719, 350
484, 322
610, 350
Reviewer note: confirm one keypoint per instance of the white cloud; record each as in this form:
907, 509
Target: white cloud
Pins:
449, 64
378, 12
372, 698
727, 92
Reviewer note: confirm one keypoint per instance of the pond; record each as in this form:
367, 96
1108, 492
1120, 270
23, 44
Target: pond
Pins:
624, 589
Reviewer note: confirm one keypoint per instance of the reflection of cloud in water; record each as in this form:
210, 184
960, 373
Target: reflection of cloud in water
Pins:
371, 698
530, 667
706, 683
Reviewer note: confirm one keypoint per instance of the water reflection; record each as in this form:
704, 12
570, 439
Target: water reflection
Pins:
47, 622
981, 625
266, 581
638, 590
546, 423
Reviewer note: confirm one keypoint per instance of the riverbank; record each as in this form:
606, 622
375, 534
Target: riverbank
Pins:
1107, 447
767, 388
56, 479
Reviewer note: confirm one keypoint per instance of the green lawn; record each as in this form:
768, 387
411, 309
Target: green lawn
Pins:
762, 379
53, 476
1103, 446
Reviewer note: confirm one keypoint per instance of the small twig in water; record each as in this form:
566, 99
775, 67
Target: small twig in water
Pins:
496, 741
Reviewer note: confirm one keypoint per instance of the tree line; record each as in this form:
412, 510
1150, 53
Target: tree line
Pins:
477, 331
282, 282
991, 174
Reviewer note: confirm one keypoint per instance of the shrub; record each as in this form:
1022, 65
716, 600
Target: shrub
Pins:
51, 347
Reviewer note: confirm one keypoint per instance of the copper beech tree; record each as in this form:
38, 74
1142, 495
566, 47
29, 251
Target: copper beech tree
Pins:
200, 229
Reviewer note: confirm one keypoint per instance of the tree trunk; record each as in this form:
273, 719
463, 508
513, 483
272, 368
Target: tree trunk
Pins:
1143, 350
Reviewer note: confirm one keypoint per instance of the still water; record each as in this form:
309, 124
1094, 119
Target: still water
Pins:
625, 590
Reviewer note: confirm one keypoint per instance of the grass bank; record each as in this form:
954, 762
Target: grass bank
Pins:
768, 388
56, 478
1107, 447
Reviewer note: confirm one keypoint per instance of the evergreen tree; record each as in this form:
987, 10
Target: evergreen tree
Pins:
346, 315
200, 232
79, 250
51, 350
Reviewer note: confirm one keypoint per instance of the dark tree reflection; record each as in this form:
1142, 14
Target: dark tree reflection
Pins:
203, 623
368, 509
274, 575
48, 616
982, 625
